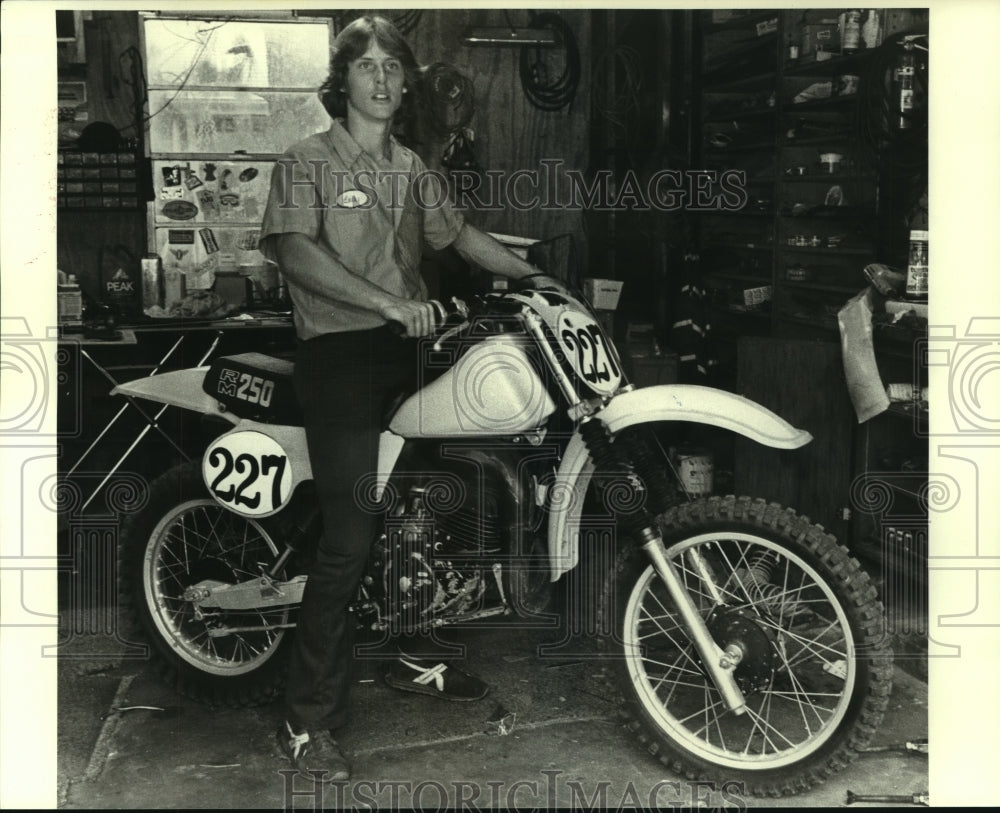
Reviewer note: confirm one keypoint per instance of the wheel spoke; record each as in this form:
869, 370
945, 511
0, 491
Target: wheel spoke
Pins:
704, 710
765, 726
809, 646
762, 714
669, 637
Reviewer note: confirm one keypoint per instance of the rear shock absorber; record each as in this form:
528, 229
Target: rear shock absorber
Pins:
757, 584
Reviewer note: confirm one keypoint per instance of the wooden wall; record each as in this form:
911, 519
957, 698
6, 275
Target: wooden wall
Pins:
510, 133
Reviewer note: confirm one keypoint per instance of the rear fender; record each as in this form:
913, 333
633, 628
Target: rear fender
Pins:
180, 388
668, 402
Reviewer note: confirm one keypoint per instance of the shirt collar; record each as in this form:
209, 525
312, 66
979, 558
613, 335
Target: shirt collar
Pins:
351, 153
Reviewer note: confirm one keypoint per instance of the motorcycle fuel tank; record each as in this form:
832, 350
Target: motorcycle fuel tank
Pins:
491, 390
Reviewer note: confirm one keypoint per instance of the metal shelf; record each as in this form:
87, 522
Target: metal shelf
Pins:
830, 213
845, 63
812, 141
737, 247
843, 252
818, 286
813, 105
755, 145
819, 177
745, 84
745, 212
733, 275
739, 115
744, 21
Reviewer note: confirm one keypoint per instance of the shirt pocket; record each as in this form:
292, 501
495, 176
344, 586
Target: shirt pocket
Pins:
356, 235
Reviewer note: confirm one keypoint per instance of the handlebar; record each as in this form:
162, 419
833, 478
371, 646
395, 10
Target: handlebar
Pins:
443, 313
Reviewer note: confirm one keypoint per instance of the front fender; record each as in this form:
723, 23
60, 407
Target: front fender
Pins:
667, 402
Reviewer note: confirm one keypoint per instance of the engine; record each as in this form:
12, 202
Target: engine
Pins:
431, 564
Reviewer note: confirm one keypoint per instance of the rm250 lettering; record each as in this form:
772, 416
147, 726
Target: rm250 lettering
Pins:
255, 389
593, 361
248, 469
250, 388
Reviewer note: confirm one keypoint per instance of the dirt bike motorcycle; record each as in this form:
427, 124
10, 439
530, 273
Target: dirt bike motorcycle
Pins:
747, 643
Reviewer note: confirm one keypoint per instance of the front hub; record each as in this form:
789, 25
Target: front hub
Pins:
758, 655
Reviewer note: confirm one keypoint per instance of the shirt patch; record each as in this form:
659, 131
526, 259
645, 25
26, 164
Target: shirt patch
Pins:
352, 199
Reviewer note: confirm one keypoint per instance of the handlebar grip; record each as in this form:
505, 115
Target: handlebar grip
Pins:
399, 329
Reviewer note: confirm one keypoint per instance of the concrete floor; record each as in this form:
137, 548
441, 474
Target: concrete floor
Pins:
566, 748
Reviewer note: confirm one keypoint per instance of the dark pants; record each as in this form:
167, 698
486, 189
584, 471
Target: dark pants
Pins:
344, 382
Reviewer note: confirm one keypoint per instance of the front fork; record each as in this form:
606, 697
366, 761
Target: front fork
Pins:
719, 663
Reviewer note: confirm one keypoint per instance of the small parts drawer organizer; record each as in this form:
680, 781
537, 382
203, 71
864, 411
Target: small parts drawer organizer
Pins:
97, 180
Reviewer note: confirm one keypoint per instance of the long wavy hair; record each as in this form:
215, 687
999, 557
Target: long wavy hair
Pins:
352, 43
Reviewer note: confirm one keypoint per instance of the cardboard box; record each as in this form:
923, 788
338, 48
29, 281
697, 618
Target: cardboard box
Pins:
603, 294
757, 296
824, 36
646, 363
232, 287
649, 371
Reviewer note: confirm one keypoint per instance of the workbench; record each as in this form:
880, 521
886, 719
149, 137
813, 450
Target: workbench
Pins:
101, 436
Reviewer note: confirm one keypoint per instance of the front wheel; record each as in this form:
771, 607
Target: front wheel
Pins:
805, 620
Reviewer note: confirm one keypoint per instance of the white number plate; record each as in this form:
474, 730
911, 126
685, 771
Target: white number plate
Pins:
248, 472
583, 342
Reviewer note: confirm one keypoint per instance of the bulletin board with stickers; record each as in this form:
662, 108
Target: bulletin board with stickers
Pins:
205, 230
221, 92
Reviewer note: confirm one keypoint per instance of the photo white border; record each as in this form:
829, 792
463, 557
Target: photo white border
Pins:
964, 217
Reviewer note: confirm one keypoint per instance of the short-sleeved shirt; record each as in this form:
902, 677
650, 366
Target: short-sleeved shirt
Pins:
372, 216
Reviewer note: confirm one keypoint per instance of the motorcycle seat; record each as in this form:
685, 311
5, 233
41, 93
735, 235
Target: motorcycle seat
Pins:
259, 388
255, 387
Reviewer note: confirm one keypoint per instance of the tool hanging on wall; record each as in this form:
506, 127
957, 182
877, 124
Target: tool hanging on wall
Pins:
543, 91
448, 96
460, 152
449, 101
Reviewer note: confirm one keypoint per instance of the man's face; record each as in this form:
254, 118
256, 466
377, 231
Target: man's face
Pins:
374, 85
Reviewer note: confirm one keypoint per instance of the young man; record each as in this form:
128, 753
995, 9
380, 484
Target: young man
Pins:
347, 217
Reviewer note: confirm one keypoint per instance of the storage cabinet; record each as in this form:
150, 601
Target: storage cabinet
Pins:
779, 107
781, 103
737, 53
827, 191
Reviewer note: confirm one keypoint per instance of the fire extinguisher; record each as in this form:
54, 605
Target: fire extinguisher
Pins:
905, 85
905, 78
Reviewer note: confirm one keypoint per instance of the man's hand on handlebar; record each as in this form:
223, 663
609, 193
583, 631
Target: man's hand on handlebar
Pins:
415, 318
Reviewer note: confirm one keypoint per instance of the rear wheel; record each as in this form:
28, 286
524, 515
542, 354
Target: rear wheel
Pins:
180, 539
805, 621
